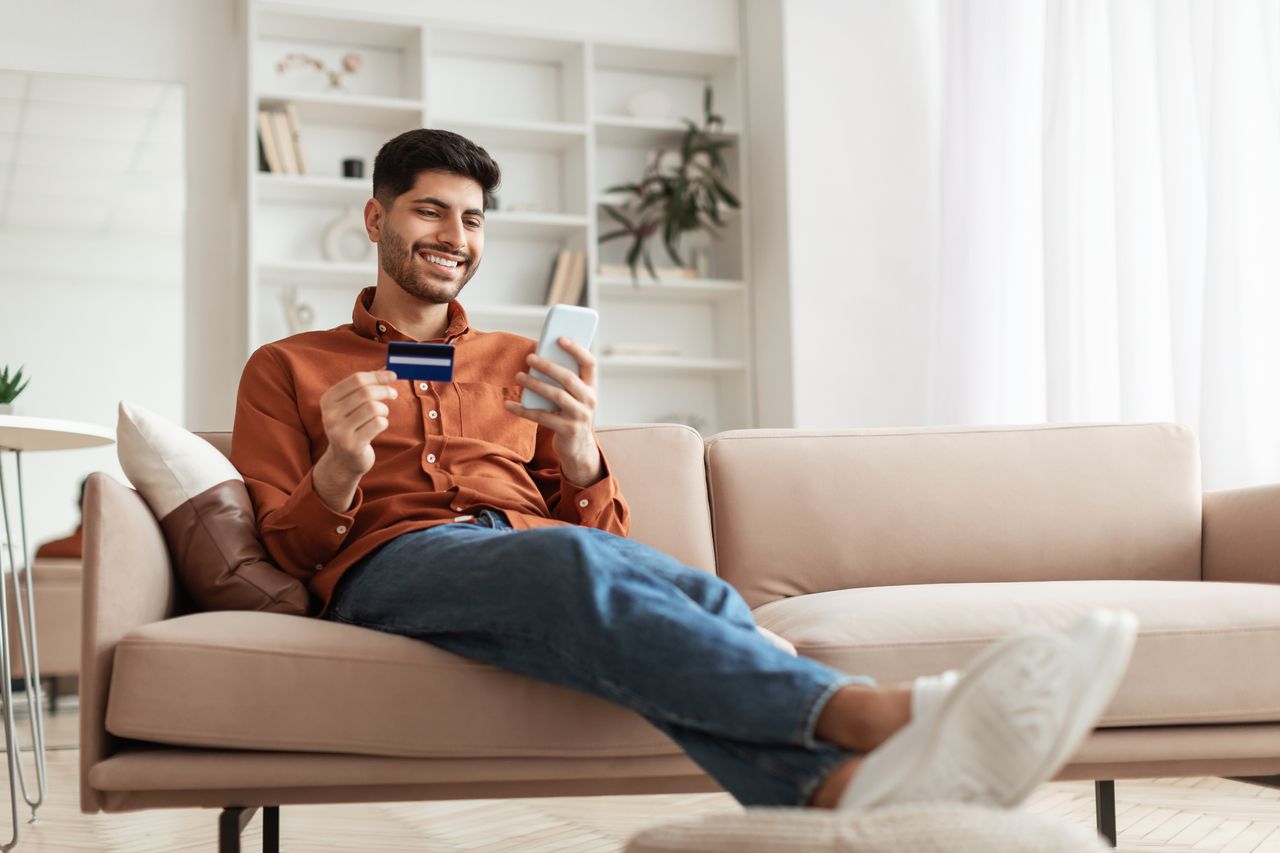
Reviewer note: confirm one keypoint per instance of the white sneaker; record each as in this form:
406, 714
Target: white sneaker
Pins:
1007, 724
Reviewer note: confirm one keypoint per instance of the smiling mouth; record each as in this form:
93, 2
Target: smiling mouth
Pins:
443, 262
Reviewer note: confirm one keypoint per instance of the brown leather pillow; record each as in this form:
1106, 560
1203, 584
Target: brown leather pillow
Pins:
206, 516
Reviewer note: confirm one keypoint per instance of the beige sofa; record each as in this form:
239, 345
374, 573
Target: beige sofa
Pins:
886, 552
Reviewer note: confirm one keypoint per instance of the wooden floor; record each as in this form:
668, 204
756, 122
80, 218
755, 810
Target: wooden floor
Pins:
1152, 815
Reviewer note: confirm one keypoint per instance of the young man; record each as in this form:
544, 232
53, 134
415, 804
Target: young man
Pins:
447, 512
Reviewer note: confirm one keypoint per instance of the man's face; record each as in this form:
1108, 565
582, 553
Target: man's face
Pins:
431, 240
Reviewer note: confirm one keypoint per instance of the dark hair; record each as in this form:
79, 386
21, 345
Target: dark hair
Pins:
396, 168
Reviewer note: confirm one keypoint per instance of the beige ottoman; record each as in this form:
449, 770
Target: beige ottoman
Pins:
954, 828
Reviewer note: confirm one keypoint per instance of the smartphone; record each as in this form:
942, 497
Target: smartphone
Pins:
563, 321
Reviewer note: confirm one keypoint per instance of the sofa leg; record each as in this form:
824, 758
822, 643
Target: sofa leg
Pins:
234, 819
1104, 799
53, 694
271, 829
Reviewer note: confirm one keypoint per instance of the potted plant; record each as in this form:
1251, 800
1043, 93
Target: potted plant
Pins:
10, 388
679, 196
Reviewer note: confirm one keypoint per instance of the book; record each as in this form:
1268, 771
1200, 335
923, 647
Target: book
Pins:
284, 142
295, 137
266, 131
577, 278
559, 275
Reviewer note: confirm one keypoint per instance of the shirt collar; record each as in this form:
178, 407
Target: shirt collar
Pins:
369, 326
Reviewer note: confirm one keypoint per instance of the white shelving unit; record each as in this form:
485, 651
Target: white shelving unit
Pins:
553, 113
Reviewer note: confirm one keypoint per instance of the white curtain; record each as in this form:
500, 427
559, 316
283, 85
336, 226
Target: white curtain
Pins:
1110, 220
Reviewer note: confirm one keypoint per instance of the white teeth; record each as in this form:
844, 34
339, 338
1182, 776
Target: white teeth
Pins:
444, 262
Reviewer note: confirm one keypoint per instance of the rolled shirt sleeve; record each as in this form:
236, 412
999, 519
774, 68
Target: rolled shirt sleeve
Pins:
598, 505
272, 451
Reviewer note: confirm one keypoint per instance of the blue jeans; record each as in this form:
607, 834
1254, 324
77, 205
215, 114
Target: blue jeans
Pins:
600, 613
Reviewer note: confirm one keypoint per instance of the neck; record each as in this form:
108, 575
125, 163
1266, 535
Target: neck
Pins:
420, 320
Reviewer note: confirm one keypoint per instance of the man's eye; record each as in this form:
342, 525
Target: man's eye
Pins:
473, 223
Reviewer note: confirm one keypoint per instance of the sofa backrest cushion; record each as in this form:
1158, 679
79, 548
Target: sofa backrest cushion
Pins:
660, 470
207, 517
800, 511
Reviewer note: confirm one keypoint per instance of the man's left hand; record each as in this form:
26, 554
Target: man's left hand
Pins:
575, 442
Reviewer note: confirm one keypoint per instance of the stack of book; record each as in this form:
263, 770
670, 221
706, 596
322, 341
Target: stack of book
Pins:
279, 146
568, 277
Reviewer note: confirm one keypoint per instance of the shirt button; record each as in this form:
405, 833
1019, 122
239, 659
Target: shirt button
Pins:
583, 502
319, 566
431, 457
433, 414
422, 386
382, 327
342, 528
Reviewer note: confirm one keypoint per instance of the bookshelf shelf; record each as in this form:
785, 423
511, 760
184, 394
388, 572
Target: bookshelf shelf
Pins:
693, 289
624, 130
303, 189
559, 116
651, 364
533, 135
501, 223
325, 108
318, 273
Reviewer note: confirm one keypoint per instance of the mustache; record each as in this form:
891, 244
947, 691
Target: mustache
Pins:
443, 251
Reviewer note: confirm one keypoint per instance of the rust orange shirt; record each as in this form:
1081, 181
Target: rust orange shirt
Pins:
451, 448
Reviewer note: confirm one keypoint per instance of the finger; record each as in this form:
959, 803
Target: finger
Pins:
365, 434
541, 417
354, 384
359, 415
568, 379
586, 360
362, 377
362, 395
552, 392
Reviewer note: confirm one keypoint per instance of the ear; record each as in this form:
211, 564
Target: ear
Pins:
373, 216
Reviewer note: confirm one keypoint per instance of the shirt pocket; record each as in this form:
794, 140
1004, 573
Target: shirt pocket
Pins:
484, 418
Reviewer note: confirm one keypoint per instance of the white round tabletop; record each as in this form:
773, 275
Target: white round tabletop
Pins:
19, 432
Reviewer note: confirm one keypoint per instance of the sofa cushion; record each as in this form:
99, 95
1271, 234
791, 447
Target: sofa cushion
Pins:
1205, 653
206, 515
257, 680
799, 511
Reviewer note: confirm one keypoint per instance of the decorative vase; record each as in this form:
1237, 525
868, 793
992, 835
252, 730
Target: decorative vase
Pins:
6, 409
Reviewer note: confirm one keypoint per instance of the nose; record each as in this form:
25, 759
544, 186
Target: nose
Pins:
452, 233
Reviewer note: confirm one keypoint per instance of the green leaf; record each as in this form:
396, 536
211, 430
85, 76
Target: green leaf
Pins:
729, 198
612, 235
648, 264
618, 216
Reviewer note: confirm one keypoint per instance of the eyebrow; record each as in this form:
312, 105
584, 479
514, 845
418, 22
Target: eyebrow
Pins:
430, 199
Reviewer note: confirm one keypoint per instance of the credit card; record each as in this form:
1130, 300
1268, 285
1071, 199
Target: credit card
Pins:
409, 360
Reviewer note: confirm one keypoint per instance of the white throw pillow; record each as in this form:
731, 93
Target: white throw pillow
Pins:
206, 515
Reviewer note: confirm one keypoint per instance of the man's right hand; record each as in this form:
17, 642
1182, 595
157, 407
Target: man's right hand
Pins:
353, 413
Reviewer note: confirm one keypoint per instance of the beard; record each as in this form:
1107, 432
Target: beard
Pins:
416, 276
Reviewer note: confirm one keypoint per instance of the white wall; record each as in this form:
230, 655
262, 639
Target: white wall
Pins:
192, 43
844, 231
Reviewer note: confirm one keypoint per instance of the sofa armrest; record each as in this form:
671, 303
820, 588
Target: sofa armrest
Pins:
1241, 535
127, 582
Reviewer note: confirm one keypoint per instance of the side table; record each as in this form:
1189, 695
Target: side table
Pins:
20, 434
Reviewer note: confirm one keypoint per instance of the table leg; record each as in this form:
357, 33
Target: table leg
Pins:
6, 675
30, 655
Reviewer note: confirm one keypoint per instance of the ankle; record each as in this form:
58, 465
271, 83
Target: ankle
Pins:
827, 795
861, 717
